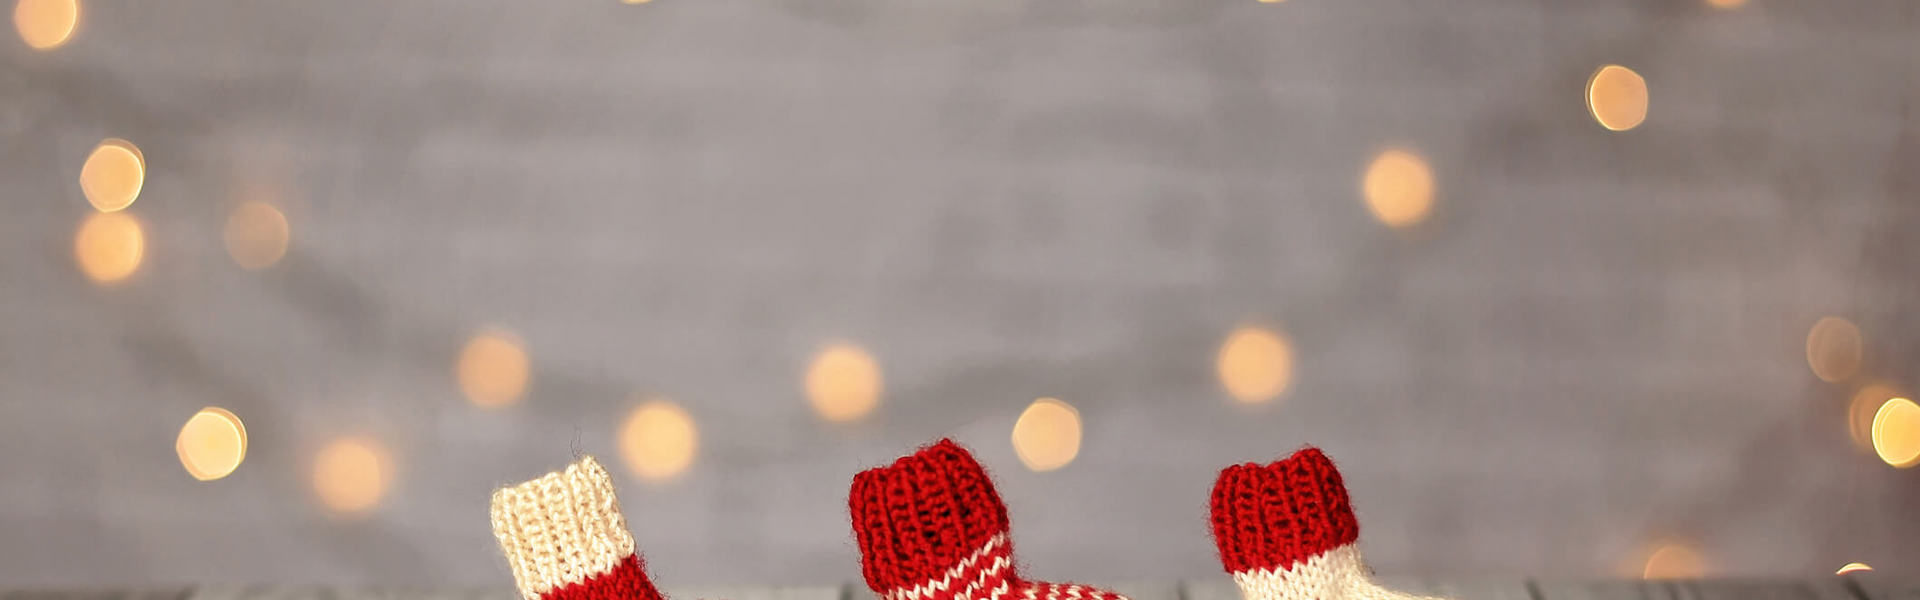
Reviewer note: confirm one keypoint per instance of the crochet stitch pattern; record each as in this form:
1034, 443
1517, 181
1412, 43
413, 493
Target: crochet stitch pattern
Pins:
1286, 531
931, 527
565, 539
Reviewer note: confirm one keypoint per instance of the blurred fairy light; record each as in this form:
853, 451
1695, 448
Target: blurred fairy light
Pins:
256, 235
212, 443
1398, 187
109, 246
46, 24
1255, 364
1047, 435
113, 174
350, 475
1673, 560
1861, 409
1617, 97
1833, 349
1726, 3
843, 382
659, 440
1896, 433
1853, 567
493, 369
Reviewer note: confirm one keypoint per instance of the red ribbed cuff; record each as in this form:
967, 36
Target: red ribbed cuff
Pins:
1276, 515
923, 516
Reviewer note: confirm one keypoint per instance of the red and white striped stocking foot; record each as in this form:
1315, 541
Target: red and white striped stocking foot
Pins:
565, 538
1286, 531
931, 527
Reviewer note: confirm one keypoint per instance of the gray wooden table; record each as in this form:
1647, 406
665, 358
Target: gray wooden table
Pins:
1871, 587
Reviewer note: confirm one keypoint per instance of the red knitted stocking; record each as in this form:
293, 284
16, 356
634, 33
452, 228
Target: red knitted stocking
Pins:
931, 527
1286, 532
565, 538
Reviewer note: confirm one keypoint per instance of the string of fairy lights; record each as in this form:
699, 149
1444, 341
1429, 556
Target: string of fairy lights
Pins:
659, 440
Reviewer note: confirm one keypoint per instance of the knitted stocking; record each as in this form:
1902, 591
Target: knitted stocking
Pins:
931, 527
565, 539
1286, 532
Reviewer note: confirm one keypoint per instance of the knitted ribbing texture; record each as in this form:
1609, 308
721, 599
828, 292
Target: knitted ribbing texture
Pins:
931, 527
565, 539
1286, 531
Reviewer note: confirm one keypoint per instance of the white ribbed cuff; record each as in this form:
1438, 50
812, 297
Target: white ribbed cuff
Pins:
562, 528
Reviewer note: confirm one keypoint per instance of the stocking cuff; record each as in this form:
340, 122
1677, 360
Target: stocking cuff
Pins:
1275, 516
563, 533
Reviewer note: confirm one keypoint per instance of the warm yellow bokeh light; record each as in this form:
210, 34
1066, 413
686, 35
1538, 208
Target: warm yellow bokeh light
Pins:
659, 440
1896, 433
1853, 567
211, 444
1617, 97
1047, 436
1726, 3
351, 475
113, 175
1833, 348
1398, 188
1673, 561
256, 235
843, 382
1860, 410
493, 369
1255, 364
46, 24
109, 246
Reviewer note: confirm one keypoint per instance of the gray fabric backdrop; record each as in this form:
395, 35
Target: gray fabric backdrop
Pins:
1596, 342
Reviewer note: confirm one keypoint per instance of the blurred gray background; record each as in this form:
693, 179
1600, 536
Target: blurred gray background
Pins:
1597, 341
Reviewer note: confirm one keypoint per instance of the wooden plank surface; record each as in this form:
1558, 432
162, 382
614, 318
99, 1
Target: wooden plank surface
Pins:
282, 592
1603, 590
1481, 589
1146, 589
1877, 586
1825, 588
156, 593
759, 592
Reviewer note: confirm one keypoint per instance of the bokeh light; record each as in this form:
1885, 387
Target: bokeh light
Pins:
659, 440
843, 382
212, 443
351, 475
1617, 97
1860, 410
46, 24
109, 246
1398, 187
1896, 433
1833, 349
1047, 435
1255, 364
256, 235
1726, 3
1853, 567
1673, 560
493, 369
113, 175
